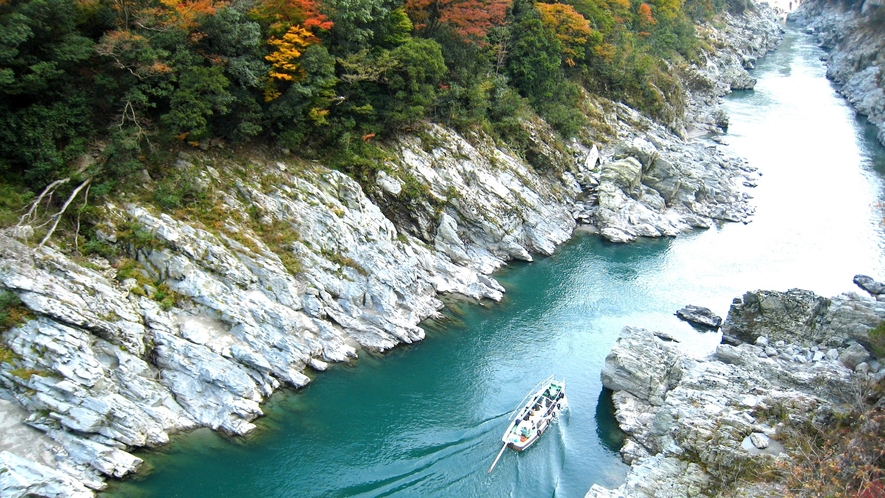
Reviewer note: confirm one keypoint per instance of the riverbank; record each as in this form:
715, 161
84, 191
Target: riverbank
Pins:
855, 39
203, 319
732, 422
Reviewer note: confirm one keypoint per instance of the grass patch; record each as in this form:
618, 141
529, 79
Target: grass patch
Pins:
7, 355
27, 373
342, 260
129, 268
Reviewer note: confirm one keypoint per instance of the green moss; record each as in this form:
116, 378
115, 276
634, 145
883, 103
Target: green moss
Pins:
166, 297
27, 373
12, 310
131, 232
342, 260
7, 355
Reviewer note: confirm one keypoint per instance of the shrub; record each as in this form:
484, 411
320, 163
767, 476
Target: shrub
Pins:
841, 455
877, 340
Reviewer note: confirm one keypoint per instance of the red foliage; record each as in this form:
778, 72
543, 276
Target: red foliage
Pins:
471, 19
875, 489
281, 14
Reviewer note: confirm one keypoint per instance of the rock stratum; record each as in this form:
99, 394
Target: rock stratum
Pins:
698, 426
854, 36
203, 315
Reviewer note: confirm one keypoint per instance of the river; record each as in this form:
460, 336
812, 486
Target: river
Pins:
426, 420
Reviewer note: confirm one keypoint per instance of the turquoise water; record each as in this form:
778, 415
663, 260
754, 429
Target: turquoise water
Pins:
426, 420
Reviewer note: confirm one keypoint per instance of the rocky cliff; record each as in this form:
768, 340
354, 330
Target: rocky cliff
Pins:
194, 318
699, 426
854, 36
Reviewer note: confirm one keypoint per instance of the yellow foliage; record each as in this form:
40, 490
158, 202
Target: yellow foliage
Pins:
572, 29
318, 115
288, 49
667, 9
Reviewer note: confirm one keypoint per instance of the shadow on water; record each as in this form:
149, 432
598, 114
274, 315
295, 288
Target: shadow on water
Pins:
610, 435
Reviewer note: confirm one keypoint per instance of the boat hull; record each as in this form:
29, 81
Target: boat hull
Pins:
530, 421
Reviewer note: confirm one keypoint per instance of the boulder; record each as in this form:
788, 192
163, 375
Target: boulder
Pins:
868, 284
700, 316
714, 412
854, 355
642, 365
792, 316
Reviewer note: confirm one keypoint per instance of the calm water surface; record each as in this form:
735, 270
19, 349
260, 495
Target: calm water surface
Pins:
426, 420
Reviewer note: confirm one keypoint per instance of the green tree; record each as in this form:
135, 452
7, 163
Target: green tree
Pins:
200, 94
534, 59
45, 114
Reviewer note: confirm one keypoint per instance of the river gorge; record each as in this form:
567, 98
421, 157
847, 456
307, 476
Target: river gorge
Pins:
426, 419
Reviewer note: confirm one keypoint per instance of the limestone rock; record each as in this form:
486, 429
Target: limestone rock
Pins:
854, 355
704, 412
23, 478
868, 284
642, 365
700, 315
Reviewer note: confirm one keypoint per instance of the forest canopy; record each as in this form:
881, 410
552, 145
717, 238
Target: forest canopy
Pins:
312, 75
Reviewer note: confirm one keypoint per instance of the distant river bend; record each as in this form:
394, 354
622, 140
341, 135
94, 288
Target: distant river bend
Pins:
426, 420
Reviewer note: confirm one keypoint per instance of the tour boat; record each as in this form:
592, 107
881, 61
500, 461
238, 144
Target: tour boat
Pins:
535, 413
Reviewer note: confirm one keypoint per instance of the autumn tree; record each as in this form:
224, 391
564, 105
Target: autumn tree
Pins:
470, 19
644, 19
571, 28
280, 15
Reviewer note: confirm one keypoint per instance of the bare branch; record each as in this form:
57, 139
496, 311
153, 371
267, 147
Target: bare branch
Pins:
47, 191
77, 231
57, 216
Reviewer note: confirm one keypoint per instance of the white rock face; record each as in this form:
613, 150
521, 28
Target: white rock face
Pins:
856, 52
104, 369
654, 184
743, 40
23, 478
692, 421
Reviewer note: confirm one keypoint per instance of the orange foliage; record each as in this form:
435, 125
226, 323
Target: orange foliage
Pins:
124, 47
184, 14
280, 14
471, 19
644, 15
572, 29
